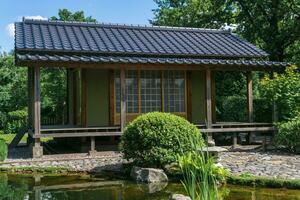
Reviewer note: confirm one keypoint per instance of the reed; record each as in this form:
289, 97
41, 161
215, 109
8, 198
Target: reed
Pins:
197, 168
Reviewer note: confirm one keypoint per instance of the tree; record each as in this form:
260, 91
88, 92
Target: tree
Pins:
284, 90
273, 25
66, 15
13, 87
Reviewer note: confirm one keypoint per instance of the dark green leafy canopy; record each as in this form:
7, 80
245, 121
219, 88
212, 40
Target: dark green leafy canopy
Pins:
273, 25
66, 15
192, 13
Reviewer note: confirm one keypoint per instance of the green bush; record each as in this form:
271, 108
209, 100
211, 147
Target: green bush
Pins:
3, 150
234, 108
283, 89
15, 121
155, 139
289, 134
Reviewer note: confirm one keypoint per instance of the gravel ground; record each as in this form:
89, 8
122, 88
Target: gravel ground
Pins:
246, 160
270, 164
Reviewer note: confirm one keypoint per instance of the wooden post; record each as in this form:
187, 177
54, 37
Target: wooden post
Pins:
30, 103
83, 98
274, 114
93, 144
251, 136
213, 96
234, 140
123, 99
37, 150
209, 106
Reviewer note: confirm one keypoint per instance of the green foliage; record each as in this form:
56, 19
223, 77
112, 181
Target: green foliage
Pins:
66, 15
54, 94
13, 87
155, 139
8, 191
228, 107
289, 134
200, 174
263, 182
283, 89
3, 150
192, 13
16, 120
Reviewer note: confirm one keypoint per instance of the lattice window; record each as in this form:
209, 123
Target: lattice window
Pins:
150, 91
174, 91
145, 89
132, 91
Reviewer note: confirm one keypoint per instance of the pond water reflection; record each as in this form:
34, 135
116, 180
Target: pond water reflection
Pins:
21, 187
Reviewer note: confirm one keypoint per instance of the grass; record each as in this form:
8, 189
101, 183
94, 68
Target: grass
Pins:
9, 137
263, 182
44, 170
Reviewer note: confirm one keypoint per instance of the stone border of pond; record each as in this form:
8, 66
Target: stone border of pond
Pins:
262, 169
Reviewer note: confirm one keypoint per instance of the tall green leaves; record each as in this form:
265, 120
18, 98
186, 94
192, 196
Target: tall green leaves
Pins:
198, 172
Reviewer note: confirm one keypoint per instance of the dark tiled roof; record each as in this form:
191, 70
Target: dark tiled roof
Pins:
148, 60
128, 40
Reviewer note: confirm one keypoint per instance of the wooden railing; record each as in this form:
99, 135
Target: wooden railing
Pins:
223, 127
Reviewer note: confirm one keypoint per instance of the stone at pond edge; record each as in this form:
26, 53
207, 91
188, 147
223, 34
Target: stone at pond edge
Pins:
148, 175
153, 187
179, 197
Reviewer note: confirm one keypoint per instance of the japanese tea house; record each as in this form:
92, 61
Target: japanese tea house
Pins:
117, 72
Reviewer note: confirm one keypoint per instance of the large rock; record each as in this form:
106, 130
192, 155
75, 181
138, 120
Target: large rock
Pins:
179, 197
148, 175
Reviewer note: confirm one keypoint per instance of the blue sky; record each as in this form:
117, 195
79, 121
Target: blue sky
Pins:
114, 11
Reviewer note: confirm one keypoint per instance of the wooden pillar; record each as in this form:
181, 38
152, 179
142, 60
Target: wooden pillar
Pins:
274, 114
251, 136
83, 98
37, 150
213, 96
123, 99
209, 106
30, 104
93, 144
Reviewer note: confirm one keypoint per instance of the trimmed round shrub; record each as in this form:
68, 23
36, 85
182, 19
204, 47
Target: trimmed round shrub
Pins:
3, 150
156, 139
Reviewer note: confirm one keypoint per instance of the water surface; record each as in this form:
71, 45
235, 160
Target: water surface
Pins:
21, 187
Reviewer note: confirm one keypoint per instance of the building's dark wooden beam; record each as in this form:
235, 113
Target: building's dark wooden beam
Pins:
37, 149
208, 99
83, 98
213, 96
123, 99
209, 119
37, 101
251, 135
151, 66
250, 97
77, 134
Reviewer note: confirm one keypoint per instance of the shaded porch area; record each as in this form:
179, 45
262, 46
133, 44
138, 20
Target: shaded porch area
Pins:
209, 126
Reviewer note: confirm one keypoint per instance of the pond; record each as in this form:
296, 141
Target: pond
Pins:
21, 187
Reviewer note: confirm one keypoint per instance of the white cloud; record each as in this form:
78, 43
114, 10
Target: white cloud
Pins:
37, 17
231, 27
10, 28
